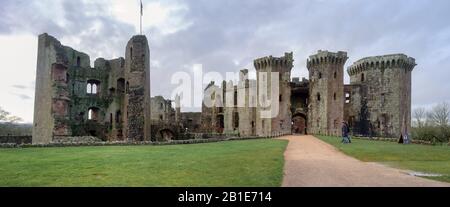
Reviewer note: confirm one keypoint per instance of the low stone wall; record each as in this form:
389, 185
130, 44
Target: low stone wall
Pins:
81, 139
173, 142
15, 139
395, 140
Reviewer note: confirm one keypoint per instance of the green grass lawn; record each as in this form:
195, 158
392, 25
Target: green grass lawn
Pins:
421, 158
233, 163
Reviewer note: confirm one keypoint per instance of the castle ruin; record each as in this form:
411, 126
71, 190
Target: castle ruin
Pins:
111, 101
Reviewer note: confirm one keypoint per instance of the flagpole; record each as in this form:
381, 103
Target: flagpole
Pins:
141, 17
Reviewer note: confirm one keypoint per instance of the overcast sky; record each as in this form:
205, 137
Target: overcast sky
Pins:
226, 35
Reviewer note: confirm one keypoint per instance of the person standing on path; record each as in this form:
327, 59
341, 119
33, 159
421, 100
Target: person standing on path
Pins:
345, 132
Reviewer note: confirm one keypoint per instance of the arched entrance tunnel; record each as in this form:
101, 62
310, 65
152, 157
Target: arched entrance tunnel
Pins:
299, 124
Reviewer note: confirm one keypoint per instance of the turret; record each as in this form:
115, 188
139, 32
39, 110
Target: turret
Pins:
326, 92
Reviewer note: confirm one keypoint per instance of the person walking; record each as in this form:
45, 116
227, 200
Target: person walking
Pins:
345, 133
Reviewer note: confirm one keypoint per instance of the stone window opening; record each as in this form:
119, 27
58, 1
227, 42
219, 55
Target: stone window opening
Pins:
334, 96
318, 96
236, 120
121, 85
335, 75
347, 98
110, 121
92, 87
93, 114
118, 116
127, 87
131, 53
78, 61
161, 117
161, 106
362, 77
320, 75
281, 98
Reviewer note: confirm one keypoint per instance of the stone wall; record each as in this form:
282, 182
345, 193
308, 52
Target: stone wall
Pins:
15, 140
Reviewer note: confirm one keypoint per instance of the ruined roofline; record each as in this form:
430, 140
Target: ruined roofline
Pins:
52, 40
382, 62
326, 57
286, 61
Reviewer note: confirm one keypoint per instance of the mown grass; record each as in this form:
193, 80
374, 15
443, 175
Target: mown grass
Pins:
421, 158
234, 163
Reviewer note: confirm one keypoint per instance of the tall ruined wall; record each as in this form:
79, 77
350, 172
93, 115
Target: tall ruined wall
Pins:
246, 105
387, 80
49, 97
231, 118
265, 68
326, 92
137, 103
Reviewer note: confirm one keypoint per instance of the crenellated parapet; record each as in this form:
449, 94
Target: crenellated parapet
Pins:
286, 61
325, 57
382, 62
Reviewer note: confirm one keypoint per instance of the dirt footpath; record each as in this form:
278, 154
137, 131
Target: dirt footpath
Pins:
311, 162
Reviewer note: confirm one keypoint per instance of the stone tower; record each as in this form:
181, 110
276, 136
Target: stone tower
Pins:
51, 108
279, 122
385, 92
326, 92
137, 74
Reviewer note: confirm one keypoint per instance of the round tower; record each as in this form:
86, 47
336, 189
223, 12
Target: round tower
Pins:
279, 120
386, 91
326, 92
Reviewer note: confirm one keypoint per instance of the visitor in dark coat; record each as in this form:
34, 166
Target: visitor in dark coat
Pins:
345, 133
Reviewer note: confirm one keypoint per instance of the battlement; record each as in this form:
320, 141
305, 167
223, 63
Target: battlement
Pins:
382, 62
326, 57
286, 61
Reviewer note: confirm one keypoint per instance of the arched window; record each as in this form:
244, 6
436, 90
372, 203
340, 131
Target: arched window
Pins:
94, 88
93, 114
89, 88
362, 77
335, 74
318, 96
334, 96
320, 75
78, 61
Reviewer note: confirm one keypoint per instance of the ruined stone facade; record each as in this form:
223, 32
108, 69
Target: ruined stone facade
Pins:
109, 101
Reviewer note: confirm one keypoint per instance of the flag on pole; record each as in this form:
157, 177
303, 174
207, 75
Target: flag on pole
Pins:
142, 9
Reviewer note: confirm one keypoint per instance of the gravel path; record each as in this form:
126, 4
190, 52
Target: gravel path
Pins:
310, 162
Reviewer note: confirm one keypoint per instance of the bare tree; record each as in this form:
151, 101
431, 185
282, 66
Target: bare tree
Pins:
440, 114
6, 117
3, 115
420, 115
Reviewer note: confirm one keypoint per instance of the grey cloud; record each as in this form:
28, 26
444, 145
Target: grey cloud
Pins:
19, 86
